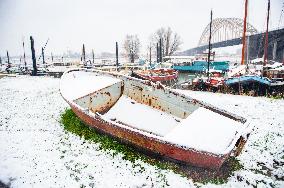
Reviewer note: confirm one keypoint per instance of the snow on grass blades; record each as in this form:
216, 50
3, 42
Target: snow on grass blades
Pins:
73, 124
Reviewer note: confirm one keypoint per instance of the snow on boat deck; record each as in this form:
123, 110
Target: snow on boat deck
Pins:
194, 132
205, 130
142, 117
78, 84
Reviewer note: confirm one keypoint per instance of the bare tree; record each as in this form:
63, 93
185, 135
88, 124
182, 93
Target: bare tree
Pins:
132, 47
170, 41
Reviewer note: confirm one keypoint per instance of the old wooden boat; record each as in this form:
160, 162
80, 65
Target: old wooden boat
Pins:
161, 75
154, 117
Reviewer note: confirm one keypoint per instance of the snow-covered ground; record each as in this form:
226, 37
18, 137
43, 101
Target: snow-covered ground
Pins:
35, 151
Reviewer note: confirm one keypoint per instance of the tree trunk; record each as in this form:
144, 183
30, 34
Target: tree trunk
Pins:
158, 53
150, 59
132, 58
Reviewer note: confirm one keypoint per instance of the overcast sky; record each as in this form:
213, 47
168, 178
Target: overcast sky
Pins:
99, 23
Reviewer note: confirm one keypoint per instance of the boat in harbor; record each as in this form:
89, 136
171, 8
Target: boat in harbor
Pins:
201, 66
155, 118
247, 79
161, 75
56, 69
215, 79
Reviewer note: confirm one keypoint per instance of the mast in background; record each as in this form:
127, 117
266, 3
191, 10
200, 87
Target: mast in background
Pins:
244, 33
266, 35
209, 46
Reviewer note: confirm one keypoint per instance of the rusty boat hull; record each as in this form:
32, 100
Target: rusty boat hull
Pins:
96, 116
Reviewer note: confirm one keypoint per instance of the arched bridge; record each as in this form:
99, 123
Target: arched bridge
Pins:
224, 29
228, 32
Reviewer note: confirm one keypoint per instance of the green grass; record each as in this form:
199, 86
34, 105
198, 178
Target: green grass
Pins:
276, 96
73, 124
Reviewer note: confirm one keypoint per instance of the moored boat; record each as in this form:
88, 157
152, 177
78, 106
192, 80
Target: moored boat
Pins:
201, 66
154, 117
161, 75
215, 79
245, 79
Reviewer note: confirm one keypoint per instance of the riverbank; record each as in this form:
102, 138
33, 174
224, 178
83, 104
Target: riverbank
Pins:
37, 152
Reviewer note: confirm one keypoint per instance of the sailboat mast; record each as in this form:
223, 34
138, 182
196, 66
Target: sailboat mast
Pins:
209, 46
266, 35
244, 33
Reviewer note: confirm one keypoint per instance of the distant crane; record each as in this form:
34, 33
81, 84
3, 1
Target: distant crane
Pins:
42, 52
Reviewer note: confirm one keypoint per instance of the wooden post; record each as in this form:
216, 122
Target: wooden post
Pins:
209, 45
34, 72
0, 61
42, 54
83, 54
161, 55
93, 55
116, 54
8, 60
51, 57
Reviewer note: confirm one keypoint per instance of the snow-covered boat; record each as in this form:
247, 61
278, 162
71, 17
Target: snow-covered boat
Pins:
161, 75
215, 79
154, 117
246, 79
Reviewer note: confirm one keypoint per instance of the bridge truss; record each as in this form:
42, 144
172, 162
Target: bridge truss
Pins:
225, 29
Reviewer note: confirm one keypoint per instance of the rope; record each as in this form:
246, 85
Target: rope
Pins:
43, 48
